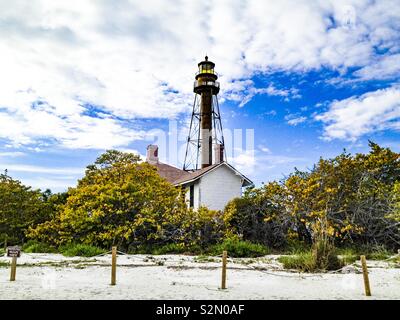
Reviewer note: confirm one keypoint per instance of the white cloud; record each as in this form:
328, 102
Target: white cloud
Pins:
295, 121
137, 59
244, 161
55, 184
359, 115
39, 169
12, 154
26, 126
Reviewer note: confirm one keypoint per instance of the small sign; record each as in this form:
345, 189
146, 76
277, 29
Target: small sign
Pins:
13, 252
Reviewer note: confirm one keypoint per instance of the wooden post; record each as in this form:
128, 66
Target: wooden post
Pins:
114, 266
365, 274
224, 257
13, 268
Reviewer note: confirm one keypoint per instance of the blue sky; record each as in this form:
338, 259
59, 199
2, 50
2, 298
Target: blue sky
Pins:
309, 77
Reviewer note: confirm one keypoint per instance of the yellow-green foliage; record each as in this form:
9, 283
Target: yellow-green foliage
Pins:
347, 197
345, 200
119, 201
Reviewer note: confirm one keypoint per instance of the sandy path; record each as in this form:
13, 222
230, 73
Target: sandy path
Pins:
181, 277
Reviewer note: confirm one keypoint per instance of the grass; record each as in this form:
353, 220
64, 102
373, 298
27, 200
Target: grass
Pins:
301, 258
239, 249
33, 246
322, 257
296, 247
81, 250
351, 254
303, 262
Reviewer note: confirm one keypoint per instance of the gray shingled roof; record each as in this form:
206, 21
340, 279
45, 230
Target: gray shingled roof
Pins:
178, 176
169, 173
193, 175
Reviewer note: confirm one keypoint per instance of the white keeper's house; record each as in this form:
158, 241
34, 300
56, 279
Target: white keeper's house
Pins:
213, 186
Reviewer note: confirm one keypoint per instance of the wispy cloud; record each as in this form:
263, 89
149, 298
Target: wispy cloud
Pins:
294, 119
243, 91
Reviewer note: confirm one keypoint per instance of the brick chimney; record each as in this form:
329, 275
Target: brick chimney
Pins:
218, 153
152, 154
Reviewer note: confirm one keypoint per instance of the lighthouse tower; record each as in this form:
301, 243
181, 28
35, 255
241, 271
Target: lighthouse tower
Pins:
205, 137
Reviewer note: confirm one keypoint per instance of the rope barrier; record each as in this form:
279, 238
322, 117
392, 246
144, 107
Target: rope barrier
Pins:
392, 257
101, 254
156, 262
300, 275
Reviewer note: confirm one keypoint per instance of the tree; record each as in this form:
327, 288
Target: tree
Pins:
120, 201
348, 199
258, 216
349, 195
20, 208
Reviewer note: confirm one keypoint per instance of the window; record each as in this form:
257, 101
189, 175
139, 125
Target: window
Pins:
191, 196
206, 68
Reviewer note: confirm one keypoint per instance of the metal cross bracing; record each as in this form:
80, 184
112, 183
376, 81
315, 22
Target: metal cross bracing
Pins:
194, 143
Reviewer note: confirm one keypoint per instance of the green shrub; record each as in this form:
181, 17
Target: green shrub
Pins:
82, 250
239, 249
303, 262
170, 248
33, 246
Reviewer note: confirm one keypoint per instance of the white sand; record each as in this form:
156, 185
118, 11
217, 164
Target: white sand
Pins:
181, 277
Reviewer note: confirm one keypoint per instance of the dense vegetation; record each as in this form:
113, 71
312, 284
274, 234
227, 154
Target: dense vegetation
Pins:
350, 201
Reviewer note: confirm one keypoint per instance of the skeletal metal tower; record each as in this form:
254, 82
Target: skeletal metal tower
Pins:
205, 130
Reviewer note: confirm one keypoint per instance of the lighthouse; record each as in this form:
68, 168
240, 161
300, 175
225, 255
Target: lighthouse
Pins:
206, 178
205, 137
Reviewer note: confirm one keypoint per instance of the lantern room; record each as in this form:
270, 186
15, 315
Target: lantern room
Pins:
206, 68
206, 78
